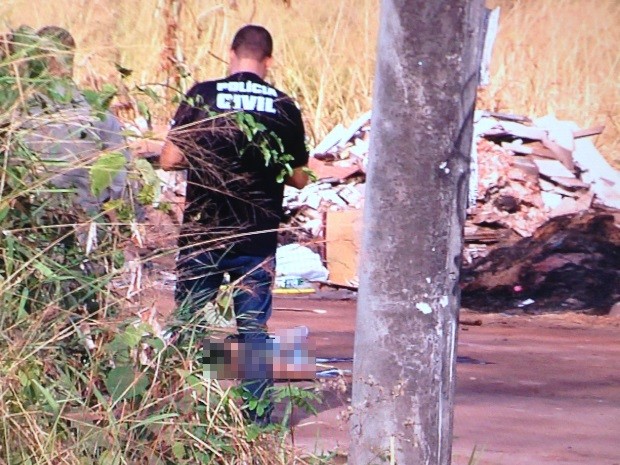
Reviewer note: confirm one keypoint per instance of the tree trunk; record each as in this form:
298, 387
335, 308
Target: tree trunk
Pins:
171, 55
405, 344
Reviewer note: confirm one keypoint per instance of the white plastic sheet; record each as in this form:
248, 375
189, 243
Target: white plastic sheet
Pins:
295, 260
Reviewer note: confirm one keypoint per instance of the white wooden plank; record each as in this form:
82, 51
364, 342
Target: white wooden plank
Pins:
553, 168
353, 128
559, 132
522, 131
330, 140
492, 27
360, 149
603, 178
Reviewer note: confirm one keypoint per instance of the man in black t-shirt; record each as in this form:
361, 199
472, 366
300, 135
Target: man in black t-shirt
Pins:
240, 140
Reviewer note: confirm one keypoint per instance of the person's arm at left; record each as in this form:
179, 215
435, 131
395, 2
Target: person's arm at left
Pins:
172, 157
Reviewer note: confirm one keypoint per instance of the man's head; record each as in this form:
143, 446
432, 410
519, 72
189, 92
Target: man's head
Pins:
251, 50
58, 46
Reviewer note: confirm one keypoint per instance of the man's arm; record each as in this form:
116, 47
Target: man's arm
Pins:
295, 143
298, 179
172, 157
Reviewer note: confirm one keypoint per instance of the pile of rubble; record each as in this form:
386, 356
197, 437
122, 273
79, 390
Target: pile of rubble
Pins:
339, 163
525, 175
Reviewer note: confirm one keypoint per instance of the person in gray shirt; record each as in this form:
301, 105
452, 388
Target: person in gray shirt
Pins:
64, 131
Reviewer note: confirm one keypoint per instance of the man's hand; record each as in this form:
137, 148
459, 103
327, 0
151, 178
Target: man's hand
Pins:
172, 157
299, 178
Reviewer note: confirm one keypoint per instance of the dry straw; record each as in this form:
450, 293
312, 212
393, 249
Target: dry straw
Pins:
551, 56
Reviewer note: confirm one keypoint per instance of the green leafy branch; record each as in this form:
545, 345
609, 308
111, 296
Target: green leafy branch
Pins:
268, 143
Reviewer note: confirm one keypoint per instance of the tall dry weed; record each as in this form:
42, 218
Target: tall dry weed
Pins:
82, 381
560, 56
555, 56
551, 56
324, 55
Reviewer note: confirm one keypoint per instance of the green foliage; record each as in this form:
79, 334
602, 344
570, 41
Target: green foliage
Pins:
149, 180
100, 100
295, 396
290, 395
80, 384
141, 174
151, 98
149, 92
95, 413
104, 170
268, 143
123, 209
165, 207
123, 382
311, 174
26, 70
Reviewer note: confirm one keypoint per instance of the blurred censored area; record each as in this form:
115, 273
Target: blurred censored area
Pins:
286, 356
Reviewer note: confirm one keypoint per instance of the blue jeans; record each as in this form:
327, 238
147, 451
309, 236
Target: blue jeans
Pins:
201, 273
199, 277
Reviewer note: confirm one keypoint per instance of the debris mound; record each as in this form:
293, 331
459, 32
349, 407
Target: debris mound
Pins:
542, 215
542, 222
571, 262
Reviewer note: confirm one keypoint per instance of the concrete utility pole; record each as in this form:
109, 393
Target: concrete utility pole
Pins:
405, 341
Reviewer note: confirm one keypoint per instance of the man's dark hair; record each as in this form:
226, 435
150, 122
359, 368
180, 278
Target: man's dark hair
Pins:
253, 41
59, 35
58, 46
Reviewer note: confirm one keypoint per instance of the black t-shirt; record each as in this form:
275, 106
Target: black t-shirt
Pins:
241, 137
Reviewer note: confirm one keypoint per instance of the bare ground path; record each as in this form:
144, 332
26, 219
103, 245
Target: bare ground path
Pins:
531, 389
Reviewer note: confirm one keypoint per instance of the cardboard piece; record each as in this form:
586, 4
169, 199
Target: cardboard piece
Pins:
343, 244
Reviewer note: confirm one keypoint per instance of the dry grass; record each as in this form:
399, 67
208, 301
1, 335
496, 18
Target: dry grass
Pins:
551, 56
324, 56
560, 56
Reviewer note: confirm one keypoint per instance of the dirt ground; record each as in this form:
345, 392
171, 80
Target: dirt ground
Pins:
531, 389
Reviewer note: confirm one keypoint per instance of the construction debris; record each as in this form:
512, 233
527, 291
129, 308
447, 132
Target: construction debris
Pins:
526, 173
